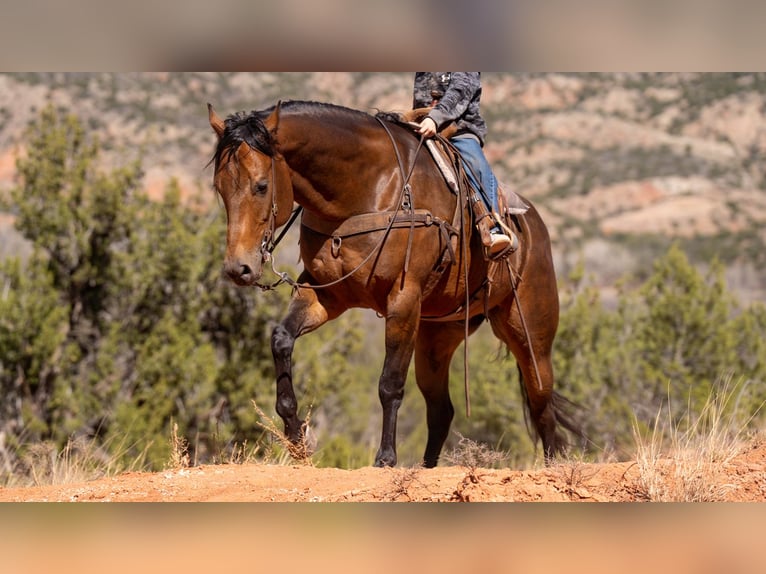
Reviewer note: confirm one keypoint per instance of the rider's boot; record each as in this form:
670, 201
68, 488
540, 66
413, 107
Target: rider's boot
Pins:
496, 242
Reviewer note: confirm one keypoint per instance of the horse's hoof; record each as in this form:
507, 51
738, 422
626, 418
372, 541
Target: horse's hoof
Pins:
382, 460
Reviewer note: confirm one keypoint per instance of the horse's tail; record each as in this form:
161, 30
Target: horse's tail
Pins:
567, 414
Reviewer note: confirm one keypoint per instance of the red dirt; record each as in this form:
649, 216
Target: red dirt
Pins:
741, 480
534, 539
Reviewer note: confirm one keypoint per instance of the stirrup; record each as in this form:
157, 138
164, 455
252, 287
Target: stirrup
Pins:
501, 245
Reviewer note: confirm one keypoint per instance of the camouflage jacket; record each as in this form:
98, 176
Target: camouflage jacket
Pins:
455, 97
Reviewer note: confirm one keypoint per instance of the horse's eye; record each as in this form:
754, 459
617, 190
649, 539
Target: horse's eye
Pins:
261, 187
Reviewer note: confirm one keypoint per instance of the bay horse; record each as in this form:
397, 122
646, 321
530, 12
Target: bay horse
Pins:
379, 231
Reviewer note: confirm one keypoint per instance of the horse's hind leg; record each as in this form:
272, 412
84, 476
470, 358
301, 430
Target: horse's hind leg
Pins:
532, 350
305, 314
436, 343
537, 387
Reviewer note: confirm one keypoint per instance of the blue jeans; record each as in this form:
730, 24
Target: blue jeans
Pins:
473, 155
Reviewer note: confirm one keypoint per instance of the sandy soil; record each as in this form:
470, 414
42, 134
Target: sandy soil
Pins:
741, 480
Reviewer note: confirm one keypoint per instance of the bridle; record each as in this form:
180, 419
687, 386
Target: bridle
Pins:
268, 243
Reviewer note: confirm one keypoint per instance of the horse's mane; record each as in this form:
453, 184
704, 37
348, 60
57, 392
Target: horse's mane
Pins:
248, 127
243, 127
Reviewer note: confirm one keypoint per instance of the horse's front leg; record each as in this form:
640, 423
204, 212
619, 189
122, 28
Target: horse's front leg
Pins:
305, 314
402, 321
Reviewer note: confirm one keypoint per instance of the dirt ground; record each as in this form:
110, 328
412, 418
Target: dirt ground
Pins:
741, 480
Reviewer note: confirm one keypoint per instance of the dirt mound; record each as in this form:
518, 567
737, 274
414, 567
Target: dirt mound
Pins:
742, 479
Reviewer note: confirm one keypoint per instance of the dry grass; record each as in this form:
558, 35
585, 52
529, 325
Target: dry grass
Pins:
301, 452
179, 450
682, 462
474, 456
402, 479
80, 460
241, 454
575, 473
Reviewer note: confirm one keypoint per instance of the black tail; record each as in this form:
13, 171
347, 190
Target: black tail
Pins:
568, 415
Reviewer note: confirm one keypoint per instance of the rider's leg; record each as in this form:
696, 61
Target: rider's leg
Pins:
478, 166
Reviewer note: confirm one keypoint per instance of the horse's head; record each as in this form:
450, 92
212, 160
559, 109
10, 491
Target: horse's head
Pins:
253, 180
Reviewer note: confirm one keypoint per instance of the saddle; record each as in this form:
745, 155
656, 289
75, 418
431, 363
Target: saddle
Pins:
446, 158
509, 201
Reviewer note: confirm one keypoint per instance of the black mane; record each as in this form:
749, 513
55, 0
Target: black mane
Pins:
248, 127
240, 128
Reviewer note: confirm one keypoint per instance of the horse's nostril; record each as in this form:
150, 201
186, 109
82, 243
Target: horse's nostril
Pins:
238, 272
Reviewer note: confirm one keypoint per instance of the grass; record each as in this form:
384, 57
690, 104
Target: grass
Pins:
80, 460
179, 449
402, 479
575, 473
300, 452
683, 461
83, 460
474, 455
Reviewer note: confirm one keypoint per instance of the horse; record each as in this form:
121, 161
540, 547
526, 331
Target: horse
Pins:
381, 229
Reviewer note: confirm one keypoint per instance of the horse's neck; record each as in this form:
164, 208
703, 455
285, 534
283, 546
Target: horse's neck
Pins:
334, 174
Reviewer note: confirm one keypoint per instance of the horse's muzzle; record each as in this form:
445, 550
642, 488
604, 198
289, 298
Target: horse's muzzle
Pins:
240, 273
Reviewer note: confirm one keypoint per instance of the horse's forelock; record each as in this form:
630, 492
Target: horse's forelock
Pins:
251, 129
242, 128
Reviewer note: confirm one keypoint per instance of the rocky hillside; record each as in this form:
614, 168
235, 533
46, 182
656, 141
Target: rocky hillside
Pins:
620, 165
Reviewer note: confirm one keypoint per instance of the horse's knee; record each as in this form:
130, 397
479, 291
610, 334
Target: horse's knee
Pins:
287, 405
390, 389
282, 342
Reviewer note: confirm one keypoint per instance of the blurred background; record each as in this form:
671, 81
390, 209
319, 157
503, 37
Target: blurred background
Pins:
519, 35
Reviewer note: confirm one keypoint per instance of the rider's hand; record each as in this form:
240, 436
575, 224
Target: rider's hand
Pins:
427, 128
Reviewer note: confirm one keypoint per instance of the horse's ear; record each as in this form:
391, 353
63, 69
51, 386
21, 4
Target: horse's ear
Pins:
215, 121
273, 120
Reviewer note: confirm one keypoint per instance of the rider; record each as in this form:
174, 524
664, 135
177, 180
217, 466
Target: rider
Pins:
454, 96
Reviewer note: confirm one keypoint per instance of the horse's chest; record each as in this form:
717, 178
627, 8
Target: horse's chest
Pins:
368, 266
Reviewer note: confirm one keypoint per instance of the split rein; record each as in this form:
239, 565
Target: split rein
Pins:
268, 245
